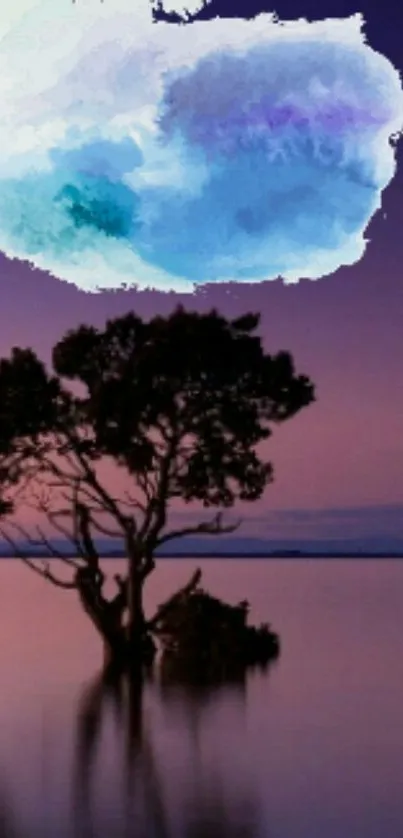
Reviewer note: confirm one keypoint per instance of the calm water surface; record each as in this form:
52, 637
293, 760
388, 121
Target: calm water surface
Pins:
311, 749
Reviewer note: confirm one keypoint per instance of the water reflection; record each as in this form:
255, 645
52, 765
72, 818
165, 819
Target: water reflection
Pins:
202, 805
8, 821
313, 749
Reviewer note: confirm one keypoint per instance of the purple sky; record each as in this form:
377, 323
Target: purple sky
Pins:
345, 331
346, 450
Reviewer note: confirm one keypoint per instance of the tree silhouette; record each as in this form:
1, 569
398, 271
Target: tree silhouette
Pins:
178, 405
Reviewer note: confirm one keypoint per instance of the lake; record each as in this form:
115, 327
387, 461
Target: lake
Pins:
313, 748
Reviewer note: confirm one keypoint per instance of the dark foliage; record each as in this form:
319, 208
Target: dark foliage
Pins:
180, 404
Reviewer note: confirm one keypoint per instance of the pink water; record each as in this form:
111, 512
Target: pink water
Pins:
313, 749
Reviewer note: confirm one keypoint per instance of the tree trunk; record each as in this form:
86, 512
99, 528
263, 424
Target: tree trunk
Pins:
113, 636
126, 647
136, 620
108, 623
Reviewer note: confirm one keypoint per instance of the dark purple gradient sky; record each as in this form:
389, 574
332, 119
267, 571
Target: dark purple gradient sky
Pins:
345, 331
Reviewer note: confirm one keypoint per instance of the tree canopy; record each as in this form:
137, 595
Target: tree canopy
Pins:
181, 403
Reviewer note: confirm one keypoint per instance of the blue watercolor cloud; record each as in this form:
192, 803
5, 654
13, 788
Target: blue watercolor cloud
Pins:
261, 152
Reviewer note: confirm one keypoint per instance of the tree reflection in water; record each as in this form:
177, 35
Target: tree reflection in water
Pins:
8, 820
205, 808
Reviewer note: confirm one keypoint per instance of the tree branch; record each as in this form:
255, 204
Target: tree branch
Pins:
84, 523
91, 480
158, 504
56, 552
213, 527
42, 504
87, 478
146, 486
53, 520
102, 528
43, 541
83, 513
42, 571
132, 501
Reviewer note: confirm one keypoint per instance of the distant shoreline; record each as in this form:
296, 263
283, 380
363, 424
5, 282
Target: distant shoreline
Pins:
217, 555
